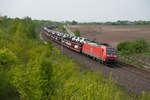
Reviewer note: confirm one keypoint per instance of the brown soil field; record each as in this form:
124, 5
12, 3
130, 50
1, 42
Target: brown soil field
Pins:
112, 34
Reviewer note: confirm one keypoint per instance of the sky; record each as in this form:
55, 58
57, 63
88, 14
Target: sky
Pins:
79, 10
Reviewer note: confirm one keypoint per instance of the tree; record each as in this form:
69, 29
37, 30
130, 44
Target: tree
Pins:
47, 86
77, 32
7, 59
27, 81
141, 45
74, 22
29, 27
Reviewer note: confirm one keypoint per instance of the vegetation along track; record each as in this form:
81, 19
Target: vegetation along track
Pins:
133, 82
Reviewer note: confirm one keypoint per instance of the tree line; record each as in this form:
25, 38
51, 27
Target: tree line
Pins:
119, 22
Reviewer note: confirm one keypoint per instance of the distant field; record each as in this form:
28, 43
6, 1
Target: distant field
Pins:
112, 34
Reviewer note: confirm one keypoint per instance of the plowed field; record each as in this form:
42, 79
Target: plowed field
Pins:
112, 34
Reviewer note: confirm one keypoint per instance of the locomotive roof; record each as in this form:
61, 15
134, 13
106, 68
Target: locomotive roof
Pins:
93, 43
97, 44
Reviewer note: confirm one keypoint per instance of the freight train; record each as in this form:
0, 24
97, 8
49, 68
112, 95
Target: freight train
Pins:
102, 52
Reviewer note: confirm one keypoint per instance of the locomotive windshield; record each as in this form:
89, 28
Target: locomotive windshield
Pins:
111, 51
108, 50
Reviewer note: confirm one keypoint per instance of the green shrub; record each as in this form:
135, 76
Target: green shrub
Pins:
77, 32
137, 46
7, 59
124, 47
141, 46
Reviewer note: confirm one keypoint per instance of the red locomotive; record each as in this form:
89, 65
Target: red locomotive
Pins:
102, 52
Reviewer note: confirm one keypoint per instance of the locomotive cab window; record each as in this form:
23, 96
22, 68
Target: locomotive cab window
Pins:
108, 50
113, 51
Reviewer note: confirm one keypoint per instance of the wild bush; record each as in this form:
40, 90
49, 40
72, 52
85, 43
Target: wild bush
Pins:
137, 46
7, 59
77, 32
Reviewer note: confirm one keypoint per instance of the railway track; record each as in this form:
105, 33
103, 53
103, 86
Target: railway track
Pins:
136, 70
132, 78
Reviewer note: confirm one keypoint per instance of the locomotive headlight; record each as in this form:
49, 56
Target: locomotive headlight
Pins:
108, 55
